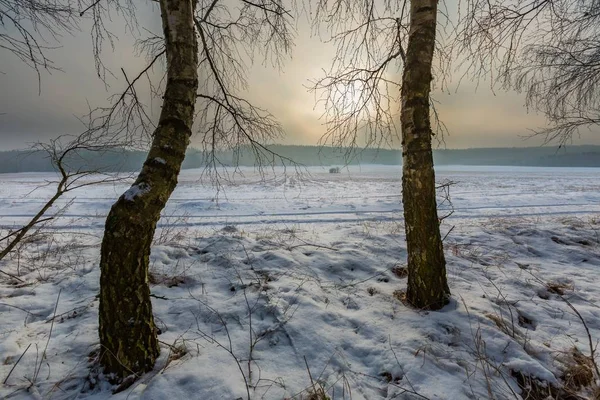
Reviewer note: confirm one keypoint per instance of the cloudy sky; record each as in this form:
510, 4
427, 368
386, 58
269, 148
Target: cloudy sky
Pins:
475, 117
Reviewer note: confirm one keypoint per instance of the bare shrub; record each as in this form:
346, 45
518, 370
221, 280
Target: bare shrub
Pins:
173, 228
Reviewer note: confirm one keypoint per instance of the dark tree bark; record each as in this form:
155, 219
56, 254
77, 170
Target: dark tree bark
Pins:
427, 283
128, 338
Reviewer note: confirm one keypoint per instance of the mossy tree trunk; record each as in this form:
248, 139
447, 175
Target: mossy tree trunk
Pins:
427, 283
128, 338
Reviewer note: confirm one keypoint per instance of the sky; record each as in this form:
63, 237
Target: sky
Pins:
475, 115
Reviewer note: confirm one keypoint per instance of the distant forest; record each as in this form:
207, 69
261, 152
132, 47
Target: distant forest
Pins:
572, 156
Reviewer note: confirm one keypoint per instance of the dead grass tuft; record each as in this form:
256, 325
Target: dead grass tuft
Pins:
578, 375
558, 288
317, 394
401, 271
155, 278
533, 388
176, 351
579, 370
401, 296
500, 323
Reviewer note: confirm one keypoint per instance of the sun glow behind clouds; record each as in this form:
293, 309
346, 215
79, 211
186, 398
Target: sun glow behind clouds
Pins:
475, 118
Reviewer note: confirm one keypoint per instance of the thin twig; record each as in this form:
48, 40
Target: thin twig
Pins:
20, 229
48, 341
12, 276
15, 366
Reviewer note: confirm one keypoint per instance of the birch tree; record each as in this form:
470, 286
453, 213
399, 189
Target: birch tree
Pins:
364, 99
208, 46
127, 329
427, 282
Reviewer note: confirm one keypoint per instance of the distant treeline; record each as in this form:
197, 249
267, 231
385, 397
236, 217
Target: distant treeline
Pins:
572, 156
551, 156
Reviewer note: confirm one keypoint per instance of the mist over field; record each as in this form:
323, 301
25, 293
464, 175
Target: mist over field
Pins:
123, 160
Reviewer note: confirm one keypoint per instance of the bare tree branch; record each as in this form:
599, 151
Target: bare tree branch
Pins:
226, 120
360, 93
29, 29
68, 156
547, 49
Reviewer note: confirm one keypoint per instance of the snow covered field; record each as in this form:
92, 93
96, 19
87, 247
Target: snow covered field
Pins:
282, 286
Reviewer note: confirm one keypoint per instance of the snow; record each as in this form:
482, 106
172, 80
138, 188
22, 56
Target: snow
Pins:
136, 190
282, 275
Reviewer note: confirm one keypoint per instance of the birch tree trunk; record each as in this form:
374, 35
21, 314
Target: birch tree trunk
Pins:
128, 338
427, 283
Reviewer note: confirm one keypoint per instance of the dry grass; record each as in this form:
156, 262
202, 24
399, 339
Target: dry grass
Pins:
155, 278
558, 288
401, 271
533, 388
401, 296
500, 323
318, 393
578, 372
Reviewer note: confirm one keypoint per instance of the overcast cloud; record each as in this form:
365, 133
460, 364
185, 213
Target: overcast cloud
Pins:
475, 118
